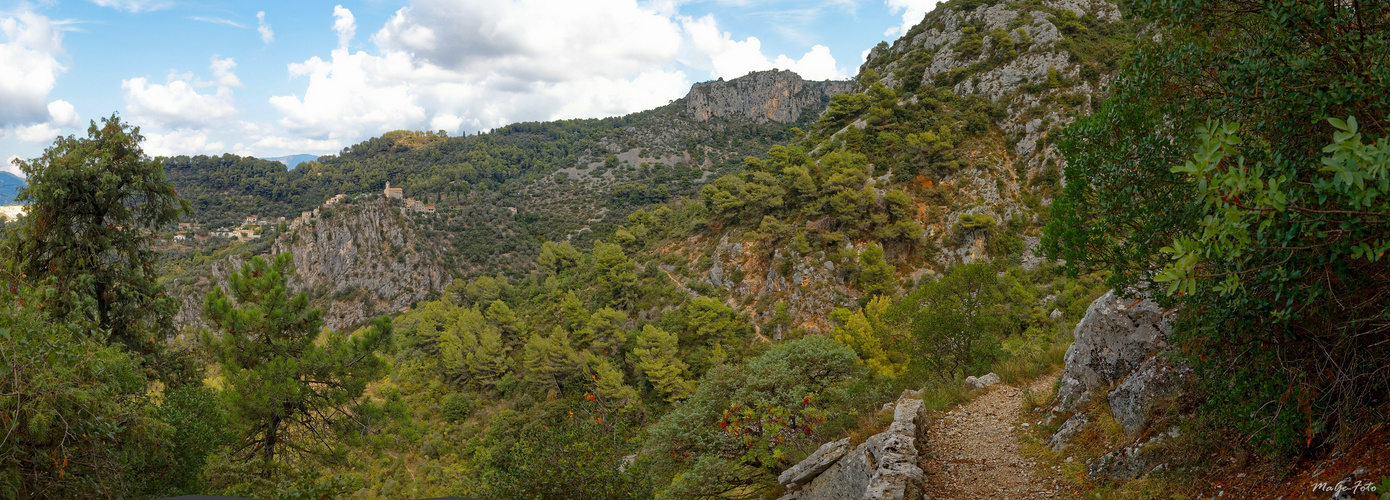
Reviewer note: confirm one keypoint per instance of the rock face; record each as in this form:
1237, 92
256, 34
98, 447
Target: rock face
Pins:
1119, 343
882, 467
1112, 340
365, 259
779, 96
357, 263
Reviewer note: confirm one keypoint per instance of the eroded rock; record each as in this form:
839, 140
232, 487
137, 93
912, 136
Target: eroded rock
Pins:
882, 467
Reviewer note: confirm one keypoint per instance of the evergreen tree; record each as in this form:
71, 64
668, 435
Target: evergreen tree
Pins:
501, 316
866, 332
604, 336
550, 359
95, 203
488, 363
876, 277
282, 388
658, 357
609, 386
617, 275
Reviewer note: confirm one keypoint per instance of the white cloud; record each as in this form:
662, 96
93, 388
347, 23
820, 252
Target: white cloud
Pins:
222, 71
465, 65
730, 58
267, 34
39, 132
62, 114
218, 20
28, 67
178, 104
10, 167
182, 142
471, 64
912, 11
344, 24
135, 6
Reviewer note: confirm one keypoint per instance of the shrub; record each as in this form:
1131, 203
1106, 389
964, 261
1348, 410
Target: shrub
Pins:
457, 407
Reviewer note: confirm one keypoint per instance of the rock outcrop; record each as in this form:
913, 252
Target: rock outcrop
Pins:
360, 261
365, 259
1120, 343
885, 466
763, 96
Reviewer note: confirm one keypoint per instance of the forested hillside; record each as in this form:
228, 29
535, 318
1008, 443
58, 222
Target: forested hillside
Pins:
765, 280
564, 177
688, 301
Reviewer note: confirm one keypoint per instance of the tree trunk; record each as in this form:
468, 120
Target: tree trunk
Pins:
271, 433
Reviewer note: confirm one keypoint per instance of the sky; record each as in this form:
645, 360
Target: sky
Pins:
271, 78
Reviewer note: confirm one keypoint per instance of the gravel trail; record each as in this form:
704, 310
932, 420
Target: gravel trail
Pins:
974, 453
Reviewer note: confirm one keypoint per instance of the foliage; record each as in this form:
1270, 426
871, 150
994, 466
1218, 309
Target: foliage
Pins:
955, 322
657, 358
869, 335
75, 417
697, 457
94, 205
283, 389
1270, 236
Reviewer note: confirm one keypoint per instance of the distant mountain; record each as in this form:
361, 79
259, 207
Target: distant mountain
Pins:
9, 187
292, 160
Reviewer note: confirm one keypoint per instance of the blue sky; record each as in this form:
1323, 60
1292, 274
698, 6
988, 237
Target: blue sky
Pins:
269, 78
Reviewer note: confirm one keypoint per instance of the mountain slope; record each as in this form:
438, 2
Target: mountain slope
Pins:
9, 187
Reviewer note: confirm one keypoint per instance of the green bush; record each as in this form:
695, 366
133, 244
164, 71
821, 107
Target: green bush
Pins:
456, 407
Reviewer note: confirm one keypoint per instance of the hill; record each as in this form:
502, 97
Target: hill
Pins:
763, 244
9, 186
292, 161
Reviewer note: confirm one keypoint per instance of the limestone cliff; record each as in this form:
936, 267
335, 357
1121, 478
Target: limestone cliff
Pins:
778, 96
355, 260
364, 259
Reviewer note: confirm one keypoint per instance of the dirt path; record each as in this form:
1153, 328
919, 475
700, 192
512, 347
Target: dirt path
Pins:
974, 451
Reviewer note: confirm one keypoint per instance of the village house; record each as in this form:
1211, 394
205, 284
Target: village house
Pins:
393, 193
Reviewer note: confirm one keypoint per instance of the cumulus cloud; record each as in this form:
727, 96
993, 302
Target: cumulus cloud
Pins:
11, 167
178, 104
469, 64
912, 12
62, 114
182, 142
135, 6
222, 71
729, 58
344, 24
28, 67
459, 65
267, 34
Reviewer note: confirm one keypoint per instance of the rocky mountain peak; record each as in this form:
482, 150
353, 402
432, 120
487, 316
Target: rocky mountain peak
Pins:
762, 96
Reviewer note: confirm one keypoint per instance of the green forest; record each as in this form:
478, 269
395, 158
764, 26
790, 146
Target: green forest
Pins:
1235, 168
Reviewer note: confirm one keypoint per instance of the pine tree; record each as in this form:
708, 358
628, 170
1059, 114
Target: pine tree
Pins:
866, 332
95, 203
608, 384
572, 313
605, 335
658, 357
550, 359
501, 316
488, 363
616, 274
282, 388
876, 276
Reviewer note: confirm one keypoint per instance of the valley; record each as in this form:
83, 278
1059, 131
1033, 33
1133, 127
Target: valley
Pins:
1028, 251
